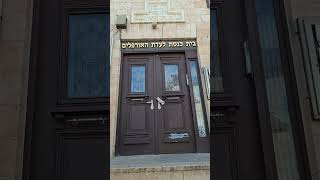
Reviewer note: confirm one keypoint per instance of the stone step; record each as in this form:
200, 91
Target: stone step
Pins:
161, 167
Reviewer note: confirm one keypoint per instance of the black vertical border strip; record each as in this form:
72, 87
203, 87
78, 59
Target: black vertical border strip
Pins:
32, 91
261, 93
108, 85
107, 158
31, 95
292, 90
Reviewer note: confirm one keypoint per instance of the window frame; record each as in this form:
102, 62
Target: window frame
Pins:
192, 56
137, 64
63, 99
202, 96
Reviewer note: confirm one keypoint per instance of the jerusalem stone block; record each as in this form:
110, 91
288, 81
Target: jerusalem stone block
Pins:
138, 6
196, 13
163, 175
205, 18
196, 175
193, 30
148, 176
181, 31
205, 59
203, 51
203, 29
169, 30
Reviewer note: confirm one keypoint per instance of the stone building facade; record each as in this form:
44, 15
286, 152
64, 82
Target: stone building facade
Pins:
195, 25
16, 27
171, 21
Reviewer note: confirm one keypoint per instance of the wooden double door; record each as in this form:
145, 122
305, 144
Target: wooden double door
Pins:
156, 115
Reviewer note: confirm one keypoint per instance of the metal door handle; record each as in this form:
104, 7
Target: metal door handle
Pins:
247, 59
137, 99
160, 102
150, 102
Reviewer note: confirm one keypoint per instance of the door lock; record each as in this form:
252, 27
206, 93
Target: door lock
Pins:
151, 104
160, 102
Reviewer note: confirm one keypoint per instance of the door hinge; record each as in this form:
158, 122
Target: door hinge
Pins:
187, 79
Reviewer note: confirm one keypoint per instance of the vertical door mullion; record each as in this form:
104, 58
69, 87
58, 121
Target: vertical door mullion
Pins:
157, 68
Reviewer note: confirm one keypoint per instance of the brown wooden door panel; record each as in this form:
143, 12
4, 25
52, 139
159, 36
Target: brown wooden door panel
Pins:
137, 127
173, 113
177, 108
137, 121
137, 118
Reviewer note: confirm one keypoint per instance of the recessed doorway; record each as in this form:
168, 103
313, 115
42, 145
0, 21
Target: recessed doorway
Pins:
161, 108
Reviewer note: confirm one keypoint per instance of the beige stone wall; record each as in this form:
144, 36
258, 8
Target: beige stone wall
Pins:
14, 52
294, 10
196, 25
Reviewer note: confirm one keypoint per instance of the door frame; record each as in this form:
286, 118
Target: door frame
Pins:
261, 94
190, 53
32, 89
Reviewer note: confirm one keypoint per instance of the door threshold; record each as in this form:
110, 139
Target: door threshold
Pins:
161, 162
